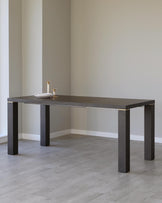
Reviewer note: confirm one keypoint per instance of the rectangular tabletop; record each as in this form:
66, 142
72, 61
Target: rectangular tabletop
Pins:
100, 102
123, 106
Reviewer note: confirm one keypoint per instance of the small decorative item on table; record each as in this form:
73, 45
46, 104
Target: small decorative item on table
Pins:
43, 95
48, 87
54, 91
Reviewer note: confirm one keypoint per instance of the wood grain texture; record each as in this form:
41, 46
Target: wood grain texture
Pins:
99, 102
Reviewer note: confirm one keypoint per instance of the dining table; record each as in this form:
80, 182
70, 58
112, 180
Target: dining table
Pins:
122, 105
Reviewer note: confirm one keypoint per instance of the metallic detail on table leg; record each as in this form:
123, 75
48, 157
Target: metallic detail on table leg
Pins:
124, 141
45, 125
123, 109
149, 151
10, 102
13, 128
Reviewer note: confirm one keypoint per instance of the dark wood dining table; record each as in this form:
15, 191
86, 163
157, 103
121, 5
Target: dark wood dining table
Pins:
123, 106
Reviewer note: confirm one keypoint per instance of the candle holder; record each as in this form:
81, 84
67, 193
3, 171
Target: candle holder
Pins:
48, 87
54, 91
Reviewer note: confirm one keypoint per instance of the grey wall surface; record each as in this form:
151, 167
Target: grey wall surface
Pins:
45, 57
15, 51
15, 48
4, 65
116, 52
31, 62
56, 56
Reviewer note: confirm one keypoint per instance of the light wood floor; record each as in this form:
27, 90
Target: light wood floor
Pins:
78, 169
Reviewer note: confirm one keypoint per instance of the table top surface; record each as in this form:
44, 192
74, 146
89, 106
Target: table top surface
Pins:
82, 101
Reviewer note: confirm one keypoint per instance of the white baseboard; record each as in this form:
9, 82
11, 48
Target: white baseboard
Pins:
60, 133
26, 136
111, 135
36, 137
52, 135
3, 139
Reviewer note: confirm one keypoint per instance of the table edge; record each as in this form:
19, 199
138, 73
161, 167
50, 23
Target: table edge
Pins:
21, 100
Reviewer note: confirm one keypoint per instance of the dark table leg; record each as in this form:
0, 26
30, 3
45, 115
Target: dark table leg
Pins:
12, 128
124, 141
45, 125
149, 132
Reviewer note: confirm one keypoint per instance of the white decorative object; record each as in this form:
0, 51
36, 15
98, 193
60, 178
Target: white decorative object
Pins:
54, 91
43, 95
48, 87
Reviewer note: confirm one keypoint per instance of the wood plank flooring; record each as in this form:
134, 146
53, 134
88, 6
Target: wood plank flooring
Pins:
78, 169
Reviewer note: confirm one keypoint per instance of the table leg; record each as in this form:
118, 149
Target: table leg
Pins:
45, 125
149, 132
124, 140
12, 128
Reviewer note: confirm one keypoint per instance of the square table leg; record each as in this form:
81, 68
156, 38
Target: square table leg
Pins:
12, 128
124, 140
149, 148
45, 125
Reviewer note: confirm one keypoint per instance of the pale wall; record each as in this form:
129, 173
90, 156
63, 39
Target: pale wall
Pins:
116, 52
4, 66
31, 62
10, 57
56, 56
15, 48
45, 56
15, 51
